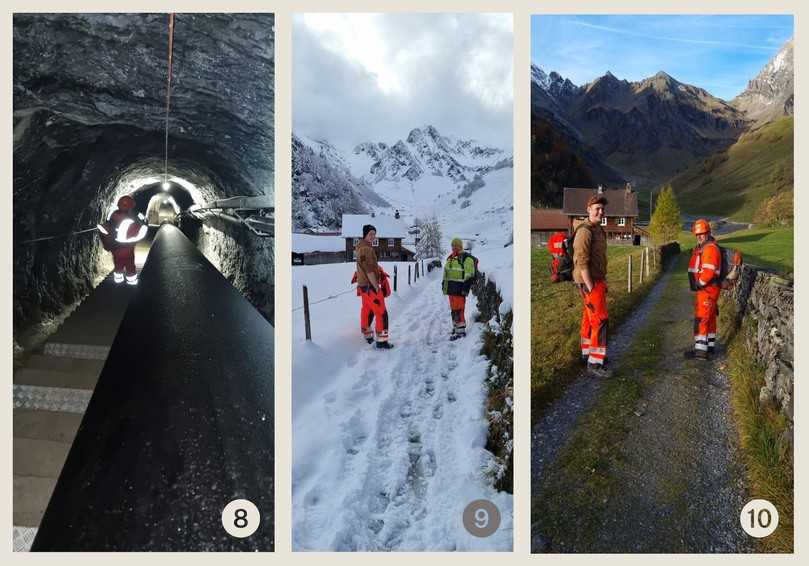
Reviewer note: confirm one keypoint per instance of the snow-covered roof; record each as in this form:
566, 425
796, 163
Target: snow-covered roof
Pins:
307, 243
386, 226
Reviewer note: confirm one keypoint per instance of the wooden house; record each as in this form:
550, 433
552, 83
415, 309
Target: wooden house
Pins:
620, 214
390, 232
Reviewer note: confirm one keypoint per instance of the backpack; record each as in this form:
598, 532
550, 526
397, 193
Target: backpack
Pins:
463, 257
731, 266
729, 270
562, 270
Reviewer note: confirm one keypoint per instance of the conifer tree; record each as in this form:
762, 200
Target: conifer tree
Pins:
666, 224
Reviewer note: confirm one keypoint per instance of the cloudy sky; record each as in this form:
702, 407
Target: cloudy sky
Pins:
375, 77
717, 53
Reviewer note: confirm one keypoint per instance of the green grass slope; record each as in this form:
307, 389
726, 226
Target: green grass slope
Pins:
736, 181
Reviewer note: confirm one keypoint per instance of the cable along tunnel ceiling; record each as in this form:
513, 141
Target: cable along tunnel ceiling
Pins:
89, 116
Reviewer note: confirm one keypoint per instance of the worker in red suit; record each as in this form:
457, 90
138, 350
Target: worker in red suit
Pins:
556, 246
123, 229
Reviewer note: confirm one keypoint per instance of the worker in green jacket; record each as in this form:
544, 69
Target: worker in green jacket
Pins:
459, 270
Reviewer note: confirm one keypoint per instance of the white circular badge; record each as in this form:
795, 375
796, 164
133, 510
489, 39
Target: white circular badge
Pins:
240, 518
759, 518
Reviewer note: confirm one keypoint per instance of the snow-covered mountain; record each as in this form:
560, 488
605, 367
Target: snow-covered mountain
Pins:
424, 175
323, 188
772, 93
425, 152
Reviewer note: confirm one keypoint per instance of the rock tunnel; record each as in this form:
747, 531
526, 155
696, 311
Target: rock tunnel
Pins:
90, 125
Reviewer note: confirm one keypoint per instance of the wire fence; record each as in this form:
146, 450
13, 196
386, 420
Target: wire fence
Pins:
641, 266
412, 278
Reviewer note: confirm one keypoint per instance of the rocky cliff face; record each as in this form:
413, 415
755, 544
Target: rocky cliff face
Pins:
89, 111
772, 93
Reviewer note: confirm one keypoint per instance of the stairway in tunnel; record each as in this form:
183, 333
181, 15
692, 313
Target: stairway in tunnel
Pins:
51, 393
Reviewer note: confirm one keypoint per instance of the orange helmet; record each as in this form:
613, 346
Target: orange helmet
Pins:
126, 202
701, 226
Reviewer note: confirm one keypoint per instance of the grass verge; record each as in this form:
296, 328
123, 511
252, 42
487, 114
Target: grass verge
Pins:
583, 484
556, 317
768, 456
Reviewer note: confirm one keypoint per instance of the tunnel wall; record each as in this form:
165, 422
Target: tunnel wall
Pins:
246, 260
89, 111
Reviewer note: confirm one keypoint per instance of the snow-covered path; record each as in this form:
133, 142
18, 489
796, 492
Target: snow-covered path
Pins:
388, 448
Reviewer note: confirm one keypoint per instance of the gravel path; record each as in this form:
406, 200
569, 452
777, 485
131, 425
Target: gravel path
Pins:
678, 476
550, 432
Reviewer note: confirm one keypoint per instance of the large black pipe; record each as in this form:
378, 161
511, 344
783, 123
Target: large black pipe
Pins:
180, 422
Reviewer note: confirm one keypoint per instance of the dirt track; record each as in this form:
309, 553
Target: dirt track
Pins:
675, 482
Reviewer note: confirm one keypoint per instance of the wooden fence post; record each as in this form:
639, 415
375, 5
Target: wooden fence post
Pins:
306, 313
395, 274
640, 271
646, 250
408, 274
629, 277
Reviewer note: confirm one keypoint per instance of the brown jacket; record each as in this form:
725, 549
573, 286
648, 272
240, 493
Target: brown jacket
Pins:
367, 266
590, 252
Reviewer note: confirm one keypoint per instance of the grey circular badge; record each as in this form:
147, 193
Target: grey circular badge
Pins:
481, 518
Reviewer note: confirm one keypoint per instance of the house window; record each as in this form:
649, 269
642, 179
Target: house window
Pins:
376, 242
622, 221
356, 241
354, 255
604, 221
390, 242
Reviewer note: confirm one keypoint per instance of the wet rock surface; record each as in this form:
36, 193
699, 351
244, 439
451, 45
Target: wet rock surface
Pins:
89, 118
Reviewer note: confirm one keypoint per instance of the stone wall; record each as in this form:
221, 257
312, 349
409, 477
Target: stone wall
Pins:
764, 304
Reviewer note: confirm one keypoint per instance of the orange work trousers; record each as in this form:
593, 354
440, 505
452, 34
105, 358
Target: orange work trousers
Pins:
705, 311
457, 306
594, 323
373, 309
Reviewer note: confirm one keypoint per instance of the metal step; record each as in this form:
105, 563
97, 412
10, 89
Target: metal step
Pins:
51, 398
54, 378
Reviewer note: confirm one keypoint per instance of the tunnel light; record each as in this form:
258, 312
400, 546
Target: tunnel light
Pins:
165, 185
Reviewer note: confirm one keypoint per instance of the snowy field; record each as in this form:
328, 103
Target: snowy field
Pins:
388, 447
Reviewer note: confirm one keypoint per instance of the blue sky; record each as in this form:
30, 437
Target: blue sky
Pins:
716, 52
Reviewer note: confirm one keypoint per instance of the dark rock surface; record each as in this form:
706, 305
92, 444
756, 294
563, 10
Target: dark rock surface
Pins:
89, 111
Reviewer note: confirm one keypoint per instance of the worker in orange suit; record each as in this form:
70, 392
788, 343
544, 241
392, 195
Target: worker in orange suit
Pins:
590, 273
556, 246
372, 287
704, 270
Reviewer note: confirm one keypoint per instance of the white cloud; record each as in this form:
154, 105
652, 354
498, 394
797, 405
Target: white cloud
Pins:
376, 76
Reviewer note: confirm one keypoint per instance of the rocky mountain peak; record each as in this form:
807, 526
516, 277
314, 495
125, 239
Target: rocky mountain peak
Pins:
771, 93
427, 151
